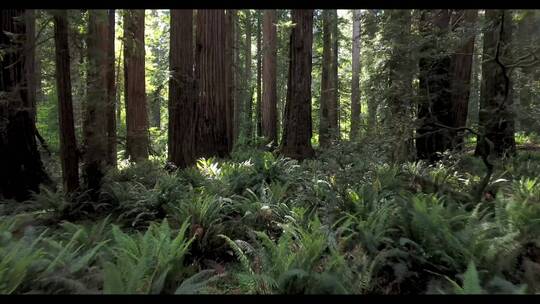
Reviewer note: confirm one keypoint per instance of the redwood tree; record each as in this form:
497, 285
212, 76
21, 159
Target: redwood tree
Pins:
137, 141
111, 93
211, 136
434, 116
68, 144
297, 131
326, 81
460, 73
355, 80
95, 120
182, 95
269, 77
496, 117
21, 167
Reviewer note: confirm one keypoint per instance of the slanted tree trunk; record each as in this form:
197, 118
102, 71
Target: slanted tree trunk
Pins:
333, 105
68, 143
297, 131
460, 70
21, 169
95, 120
111, 93
496, 117
137, 141
269, 71
355, 80
182, 94
326, 81
434, 116
259, 78
211, 134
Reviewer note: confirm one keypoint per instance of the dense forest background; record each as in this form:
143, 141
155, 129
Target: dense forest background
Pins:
270, 151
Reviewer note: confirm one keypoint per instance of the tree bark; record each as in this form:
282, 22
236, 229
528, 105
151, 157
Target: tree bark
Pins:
397, 33
21, 168
355, 80
237, 74
460, 69
298, 129
496, 117
111, 93
259, 77
326, 81
435, 105
137, 142
248, 116
333, 106
68, 144
30, 58
182, 94
95, 120
269, 71
230, 76
211, 136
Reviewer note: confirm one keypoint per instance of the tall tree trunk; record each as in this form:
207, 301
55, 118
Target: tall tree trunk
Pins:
134, 79
435, 105
111, 93
248, 120
118, 85
230, 77
238, 75
298, 129
269, 71
460, 70
21, 167
397, 33
333, 106
95, 120
155, 108
210, 73
326, 81
355, 80
496, 115
68, 143
30, 58
259, 78
182, 94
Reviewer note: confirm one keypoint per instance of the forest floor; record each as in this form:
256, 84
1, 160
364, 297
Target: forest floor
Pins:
345, 222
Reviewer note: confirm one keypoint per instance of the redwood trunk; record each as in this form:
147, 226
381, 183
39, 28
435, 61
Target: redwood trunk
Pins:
111, 93
435, 106
269, 71
298, 129
355, 80
248, 117
95, 120
68, 143
230, 79
461, 68
333, 105
135, 93
496, 118
182, 95
259, 78
211, 136
21, 167
326, 81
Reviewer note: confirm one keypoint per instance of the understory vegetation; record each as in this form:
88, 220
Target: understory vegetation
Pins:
257, 223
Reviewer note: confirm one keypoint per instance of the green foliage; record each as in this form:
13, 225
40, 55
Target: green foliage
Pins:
146, 263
